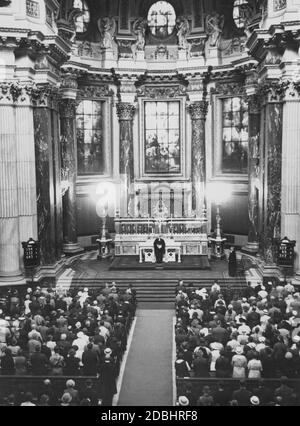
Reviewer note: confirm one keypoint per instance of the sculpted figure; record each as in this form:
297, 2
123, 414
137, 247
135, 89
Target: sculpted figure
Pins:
107, 29
214, 28
183, 30
139, 30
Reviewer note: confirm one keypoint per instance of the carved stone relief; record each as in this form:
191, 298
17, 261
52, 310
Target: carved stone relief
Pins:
161, 91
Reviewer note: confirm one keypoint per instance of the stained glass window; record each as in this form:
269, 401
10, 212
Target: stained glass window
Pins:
89, 132
235, 136
161, 19
82, 21
162, 137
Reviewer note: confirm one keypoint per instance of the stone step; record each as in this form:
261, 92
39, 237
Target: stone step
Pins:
151, 292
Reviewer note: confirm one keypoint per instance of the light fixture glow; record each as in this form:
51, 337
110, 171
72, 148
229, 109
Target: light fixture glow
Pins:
219, 192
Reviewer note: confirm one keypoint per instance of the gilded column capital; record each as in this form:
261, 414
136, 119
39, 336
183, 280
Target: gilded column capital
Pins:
125, 111
198, 110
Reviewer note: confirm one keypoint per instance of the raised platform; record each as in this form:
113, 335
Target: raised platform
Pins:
127, 263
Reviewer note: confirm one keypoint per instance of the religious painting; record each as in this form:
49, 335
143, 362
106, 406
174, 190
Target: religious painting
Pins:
235, 136
89, 132
162, 137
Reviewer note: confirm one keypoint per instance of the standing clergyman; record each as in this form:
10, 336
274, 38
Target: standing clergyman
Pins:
232, 263
159, 249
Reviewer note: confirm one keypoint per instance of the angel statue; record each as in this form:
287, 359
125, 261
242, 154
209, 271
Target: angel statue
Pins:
214, 27
183, 29
107, 28
139, 30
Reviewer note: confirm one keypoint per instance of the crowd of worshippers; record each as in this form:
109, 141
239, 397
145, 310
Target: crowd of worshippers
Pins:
253, 335
47, 394
246, 393
74, 333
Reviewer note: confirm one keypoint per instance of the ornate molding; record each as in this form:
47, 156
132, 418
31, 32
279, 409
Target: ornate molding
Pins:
155, 92
69, 81
38, 95
272, 91
233, 88
100, 91
198, 110
125, 111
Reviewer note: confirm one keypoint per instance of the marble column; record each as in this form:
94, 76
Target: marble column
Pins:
126, 111
198, 111
45, 182
273, 176
290, 211
10, 248
253, 174
68, 167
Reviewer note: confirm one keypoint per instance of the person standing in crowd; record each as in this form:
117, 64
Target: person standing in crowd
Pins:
232, 263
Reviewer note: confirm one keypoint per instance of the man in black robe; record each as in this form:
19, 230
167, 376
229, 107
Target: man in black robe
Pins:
232, 263
159, 249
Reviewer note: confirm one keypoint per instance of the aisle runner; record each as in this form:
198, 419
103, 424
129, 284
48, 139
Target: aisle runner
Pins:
147, 378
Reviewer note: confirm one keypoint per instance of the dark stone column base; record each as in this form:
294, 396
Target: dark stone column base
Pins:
72, 248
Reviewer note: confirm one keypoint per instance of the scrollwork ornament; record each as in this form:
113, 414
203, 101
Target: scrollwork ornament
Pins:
155, 92
95, 91
272, 91
229, 88
198, 110
125, 111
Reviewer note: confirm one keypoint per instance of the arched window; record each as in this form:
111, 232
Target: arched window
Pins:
161, 19
82, 21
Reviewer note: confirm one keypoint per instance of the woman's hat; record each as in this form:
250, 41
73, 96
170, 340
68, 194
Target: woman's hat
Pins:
66, 399
239, 350
183, 401
254, 400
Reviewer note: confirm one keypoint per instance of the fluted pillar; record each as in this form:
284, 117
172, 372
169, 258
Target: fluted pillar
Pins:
198, 111
26, 171
68, 166
253, 174
126, 111
290, 216
10, 248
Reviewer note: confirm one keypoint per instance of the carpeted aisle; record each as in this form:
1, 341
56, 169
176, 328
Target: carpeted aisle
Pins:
147, 377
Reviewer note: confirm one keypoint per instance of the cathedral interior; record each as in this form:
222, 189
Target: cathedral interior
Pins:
126, 120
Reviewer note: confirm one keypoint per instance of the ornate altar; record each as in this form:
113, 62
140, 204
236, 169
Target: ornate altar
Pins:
173, 251
134, 233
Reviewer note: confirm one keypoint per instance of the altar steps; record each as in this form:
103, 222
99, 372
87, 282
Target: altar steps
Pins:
154, 291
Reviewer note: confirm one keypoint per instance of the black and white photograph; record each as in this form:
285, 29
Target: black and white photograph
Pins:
149, 206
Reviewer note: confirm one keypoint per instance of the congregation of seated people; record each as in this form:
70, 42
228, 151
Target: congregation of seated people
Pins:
74, 333
252, 335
